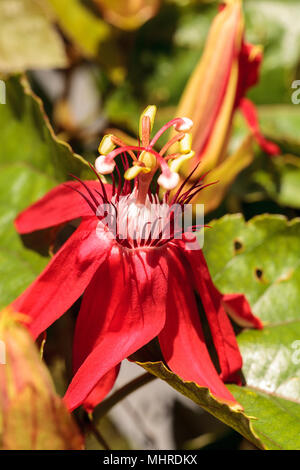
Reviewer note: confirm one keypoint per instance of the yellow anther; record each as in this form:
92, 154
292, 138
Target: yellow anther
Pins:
148, 159
106, 145
177, 162
150, 111
185, 143
134, 171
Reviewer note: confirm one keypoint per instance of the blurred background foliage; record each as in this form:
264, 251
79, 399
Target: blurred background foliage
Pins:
117, 59
96, 64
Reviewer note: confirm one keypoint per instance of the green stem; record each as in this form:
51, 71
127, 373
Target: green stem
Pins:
122, 393
97, 434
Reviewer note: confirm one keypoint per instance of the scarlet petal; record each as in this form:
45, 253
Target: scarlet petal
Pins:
60, 205
182, 341
250, 58
65, 278
222, 332
250, 114
238, 308
102, 388
122, 310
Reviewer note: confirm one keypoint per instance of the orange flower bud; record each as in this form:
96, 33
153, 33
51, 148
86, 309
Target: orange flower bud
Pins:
228, 67
130, 14
32, 416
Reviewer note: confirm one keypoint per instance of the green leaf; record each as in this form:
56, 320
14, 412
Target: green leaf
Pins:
202, 396
281, 180
261, 259
123, 109
28, 38
80, 25
281, 123
277, 178
274, 25
277, 423
266, 266
32, 161
92, 36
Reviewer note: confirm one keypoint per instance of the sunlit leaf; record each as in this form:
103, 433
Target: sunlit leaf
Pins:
282, 124
80, 25
202, 396
32, 161
261, 259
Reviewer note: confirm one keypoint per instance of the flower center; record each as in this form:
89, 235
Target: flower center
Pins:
146, 161
133, 225
133, 213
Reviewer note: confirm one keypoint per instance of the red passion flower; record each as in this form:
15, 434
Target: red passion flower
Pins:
136, 269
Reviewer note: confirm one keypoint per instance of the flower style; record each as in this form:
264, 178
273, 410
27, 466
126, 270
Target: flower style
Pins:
137, 278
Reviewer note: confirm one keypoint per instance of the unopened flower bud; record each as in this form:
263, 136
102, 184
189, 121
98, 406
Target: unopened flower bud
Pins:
32, 416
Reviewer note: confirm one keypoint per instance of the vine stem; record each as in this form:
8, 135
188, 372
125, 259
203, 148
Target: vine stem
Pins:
122, 393
97, 434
